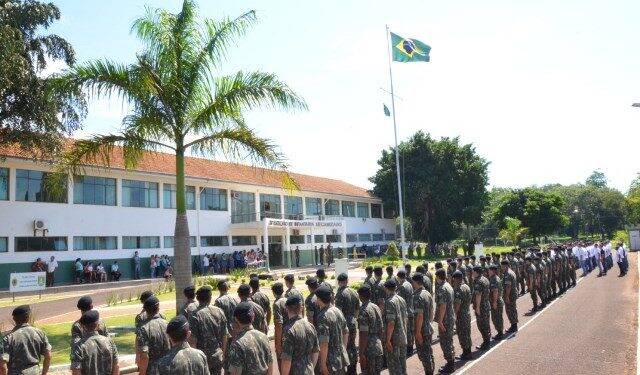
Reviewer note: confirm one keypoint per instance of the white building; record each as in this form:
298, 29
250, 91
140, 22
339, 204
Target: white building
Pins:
108, 214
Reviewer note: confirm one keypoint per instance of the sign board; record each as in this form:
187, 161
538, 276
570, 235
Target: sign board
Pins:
283, 223
27, 281
342, 265
634, 239
478, 250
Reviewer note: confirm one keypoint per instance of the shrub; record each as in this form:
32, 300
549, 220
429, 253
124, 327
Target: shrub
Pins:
419, 248
621, 236
392, 251
355, 286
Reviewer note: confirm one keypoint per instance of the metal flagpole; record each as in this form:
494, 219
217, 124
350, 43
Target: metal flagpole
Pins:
395, 133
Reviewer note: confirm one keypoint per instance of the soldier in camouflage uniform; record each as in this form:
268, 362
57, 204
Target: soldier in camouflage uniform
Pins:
142, 318
331, 328
461, 303
190, 305
152, 342
509, 287
182, 358
395, 317
377, 290
94, 354
250, 352
260, 298
445, 318
210, 330
497, 303
522, 280
405, 290
428, 278
310, 302
370, 333
289, 283
225, 302
540, 285
280, 318
423, 310
368, 279
482, 306
347, 301
85, 304
531, 272
260, 317
322, 278
300, 346
24, 346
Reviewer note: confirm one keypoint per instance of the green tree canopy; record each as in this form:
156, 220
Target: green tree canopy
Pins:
633, 201
444, 185
597, 179
513, 231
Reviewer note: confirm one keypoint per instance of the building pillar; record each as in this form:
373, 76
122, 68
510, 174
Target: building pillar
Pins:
304, 207
265, 230
282, 209
258, 208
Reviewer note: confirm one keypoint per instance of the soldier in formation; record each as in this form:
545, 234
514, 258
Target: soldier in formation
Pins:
152, 342
445, 318
423, 316
94, 354
462, 301
395, 319
300, 347
182, 358
250, 352
24, 346
370, 325
347, 301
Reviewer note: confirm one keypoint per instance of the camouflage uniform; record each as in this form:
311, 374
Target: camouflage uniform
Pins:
183, 359
331, 325
370, 322
94, 355
522, 278
293, 291
311, 309
462, 296
423, 304
250, 353
22, 349
227, 304
405, 290
483, 321
540, 281
263, 301
77, 332
259, 318
348, 303
395, 311
209, 328
142, 318
377, 293
299, 343
428, 281
531, 275
511, 307
279, 312
445, 297
152, 339
189, 308
495, 285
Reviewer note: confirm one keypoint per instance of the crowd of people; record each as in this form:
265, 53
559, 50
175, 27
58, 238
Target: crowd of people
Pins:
226, 262
95, 272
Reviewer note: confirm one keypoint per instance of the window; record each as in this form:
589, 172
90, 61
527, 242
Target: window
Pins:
364, 237
390, 237
314, 206
169, 196
295, 240
293, 207
243, 207
331, 207
352, 237
363, 210
377, 237
243, 240
4, 244
168, 241
94, 190
270, 206
27, 244
30, 187
140, 242
208, 241
333, 238
376, 211
95, 243
4, 184
348, 209
389, 213
212, 199
139, 194
318, 238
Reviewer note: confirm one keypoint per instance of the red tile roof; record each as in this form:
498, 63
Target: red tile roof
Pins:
164, 163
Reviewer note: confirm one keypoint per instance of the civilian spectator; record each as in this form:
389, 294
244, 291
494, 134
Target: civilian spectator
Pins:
38, 266
78, 270
88, 272
115, 271
168, 273
101, 273
152, 266
136, 266
51, 270
205, 264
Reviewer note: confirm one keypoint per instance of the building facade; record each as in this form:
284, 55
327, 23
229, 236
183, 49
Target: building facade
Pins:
109, 213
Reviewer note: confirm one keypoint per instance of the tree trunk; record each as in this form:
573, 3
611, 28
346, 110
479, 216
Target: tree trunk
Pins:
182, 249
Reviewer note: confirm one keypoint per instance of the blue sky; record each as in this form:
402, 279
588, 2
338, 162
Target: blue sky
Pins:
542, 89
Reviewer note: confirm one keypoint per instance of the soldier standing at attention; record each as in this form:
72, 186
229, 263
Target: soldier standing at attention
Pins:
389, 271
349, 304
423, 310
250, 352
280, 318
370, 333
461, 302
260, 298
141, 318
190, 305
509, 286
322, 277
226, 302
333, 334
428, 278
405, 290
310, 302
482, 306
23, 347
210, 331
300, 343
152, 342
377, 290
445, 317
540, 284
531, 272
182, 358
94, 354
523, 273
369, 278
289, 283
85, 304
497, 303
395, 317
259, 316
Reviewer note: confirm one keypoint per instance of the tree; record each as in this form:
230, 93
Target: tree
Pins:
597, 179
444, 185
513, 231
392, 251
180, 104
34, 114
633, 200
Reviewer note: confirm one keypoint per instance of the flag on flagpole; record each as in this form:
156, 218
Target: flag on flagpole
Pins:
386, 110
408, 50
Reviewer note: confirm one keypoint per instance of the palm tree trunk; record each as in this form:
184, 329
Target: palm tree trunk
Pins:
181, 249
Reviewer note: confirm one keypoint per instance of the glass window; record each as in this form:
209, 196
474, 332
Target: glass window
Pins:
208, 241
348, 209
389, 213
27, 244
30, 187
318, 238
169, 196
390, 237
363, 210
293, 207
140, 242
4, 244
331, 207
243, 240
377, 237
4, 184
376, 211
270, 206
333, 238
168, 241
212, 199
139, 194
94, 190
314, 206
364, 237
295, 240
95, 243
243, 207
352, 237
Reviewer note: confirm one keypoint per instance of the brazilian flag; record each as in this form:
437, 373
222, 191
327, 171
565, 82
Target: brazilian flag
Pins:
408, 50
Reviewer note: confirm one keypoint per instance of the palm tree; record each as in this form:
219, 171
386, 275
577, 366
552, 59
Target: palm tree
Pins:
179, 104
513, 231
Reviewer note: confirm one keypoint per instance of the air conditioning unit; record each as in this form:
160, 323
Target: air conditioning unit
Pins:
235, 195
39, 225
334, 232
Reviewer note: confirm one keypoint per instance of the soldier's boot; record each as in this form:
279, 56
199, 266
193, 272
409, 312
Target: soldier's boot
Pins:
513, 328
498, 336
466, 355
484, 346
448, 368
